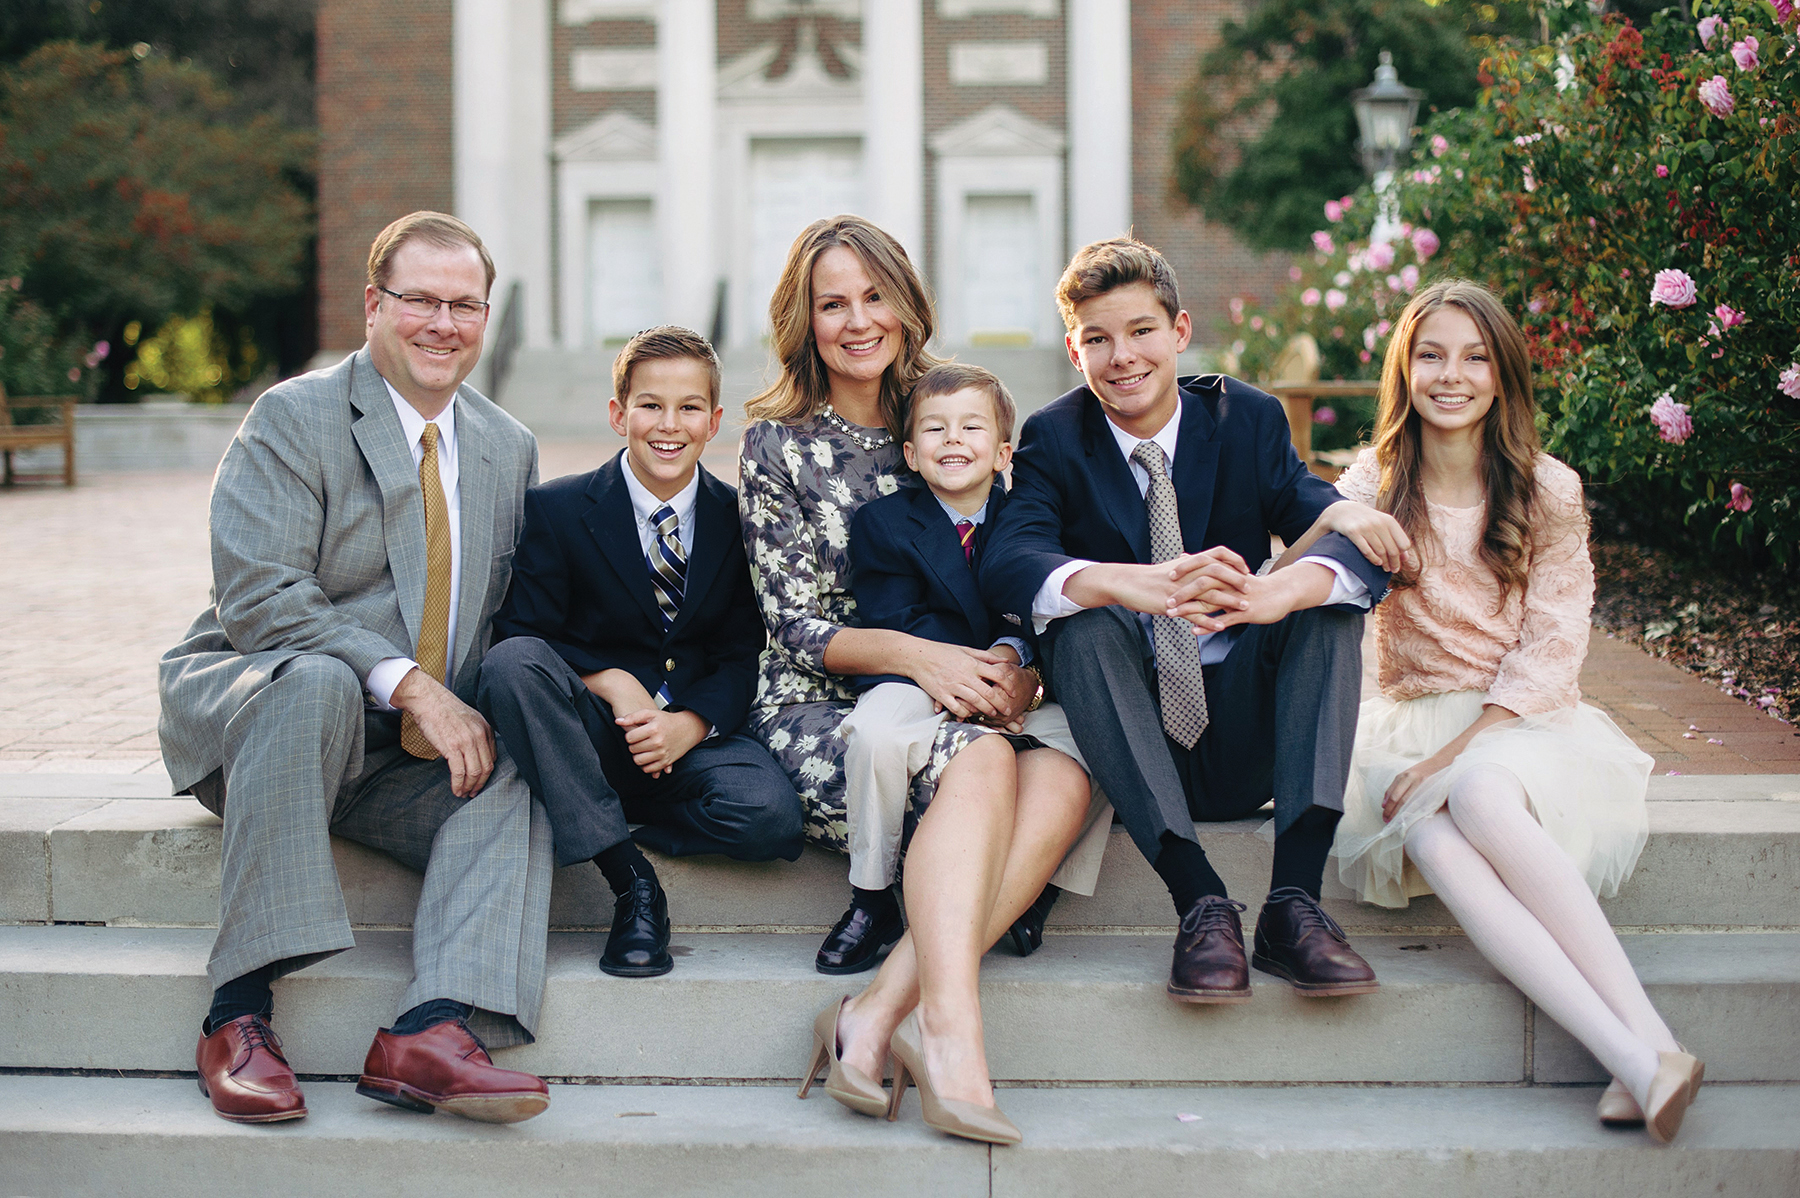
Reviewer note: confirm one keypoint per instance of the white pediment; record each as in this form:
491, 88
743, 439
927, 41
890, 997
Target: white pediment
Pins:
998, 132
615, 137
806, 80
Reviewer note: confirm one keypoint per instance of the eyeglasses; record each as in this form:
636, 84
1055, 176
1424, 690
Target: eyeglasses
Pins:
424, 307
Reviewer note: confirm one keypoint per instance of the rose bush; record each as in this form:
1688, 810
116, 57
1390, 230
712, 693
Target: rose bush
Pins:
1643, 222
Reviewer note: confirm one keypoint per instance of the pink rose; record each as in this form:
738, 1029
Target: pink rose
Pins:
1382, 327
74, 374
1784, 10
1717, 96
1728, 316
1790, 381
1325, 416
1369, 338
1311, 297
1363, 355
1409, 277
1673, 289
1237, 310
1707, 27
1393, 282
1334, 211
1425, 243
1335, 299
1662, 172
1379, 256
1322, 242
1740, 498
1440, 145
1256, 323
1348, 202
1744, 54
1671, 419
1296, 274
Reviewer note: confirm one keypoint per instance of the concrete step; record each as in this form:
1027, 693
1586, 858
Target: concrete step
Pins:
1082, 1009
108, 1136
1724, 853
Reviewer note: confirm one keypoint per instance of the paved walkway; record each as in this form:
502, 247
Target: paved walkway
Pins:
97, 582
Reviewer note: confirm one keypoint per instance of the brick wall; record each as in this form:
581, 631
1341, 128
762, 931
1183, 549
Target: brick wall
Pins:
385, 138
1167, 39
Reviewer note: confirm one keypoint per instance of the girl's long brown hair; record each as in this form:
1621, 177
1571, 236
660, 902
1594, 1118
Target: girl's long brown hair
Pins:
803, 387
1509, 436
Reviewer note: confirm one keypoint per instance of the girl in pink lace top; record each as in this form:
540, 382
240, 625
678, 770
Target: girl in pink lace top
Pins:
1479, 774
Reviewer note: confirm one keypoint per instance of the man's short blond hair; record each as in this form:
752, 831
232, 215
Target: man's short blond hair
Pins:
433, 228
1104, 266
664, 342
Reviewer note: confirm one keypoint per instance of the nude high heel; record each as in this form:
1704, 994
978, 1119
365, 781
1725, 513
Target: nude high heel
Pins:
1676, 1082
846, 1083
969, 1120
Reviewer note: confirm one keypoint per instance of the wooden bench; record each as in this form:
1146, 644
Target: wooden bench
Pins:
30, 436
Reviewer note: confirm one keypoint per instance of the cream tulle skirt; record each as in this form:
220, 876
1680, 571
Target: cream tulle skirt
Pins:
1583, 778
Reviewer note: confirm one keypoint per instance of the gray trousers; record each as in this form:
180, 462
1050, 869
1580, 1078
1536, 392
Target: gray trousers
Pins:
1283, 709
726, 794
480, 931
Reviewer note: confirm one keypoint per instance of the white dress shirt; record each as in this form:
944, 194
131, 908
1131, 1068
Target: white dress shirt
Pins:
978, 519
1051, 604
390, 670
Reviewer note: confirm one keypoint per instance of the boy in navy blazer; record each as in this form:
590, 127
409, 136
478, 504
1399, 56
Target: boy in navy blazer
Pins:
912, 559
627, 654
1198, 690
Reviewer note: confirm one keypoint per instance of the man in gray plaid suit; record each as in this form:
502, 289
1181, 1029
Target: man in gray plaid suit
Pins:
363, 523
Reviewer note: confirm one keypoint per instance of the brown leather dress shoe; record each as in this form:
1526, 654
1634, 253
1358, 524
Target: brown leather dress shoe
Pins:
243, 1072
1209, 954
447, 1066
1297, 942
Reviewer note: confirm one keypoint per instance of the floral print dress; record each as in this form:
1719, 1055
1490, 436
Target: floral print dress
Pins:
799, 484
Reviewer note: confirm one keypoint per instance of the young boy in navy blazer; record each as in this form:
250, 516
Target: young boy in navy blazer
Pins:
627, 654
1198, 690
912, 570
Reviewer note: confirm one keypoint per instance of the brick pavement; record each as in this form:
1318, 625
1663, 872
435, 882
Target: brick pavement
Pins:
97, 582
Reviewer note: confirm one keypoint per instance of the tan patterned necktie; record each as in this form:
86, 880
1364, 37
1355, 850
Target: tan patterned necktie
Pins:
434, 625
1177, 647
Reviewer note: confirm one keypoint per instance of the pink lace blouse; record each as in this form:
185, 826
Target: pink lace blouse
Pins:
1448, 633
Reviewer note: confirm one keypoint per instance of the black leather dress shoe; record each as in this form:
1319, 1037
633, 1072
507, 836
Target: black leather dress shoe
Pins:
1209, 954
1297, 942
859, 939
638, 945
1027, 931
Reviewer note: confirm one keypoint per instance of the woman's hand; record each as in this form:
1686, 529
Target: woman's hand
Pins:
1376, 534
1409, 780
965, 682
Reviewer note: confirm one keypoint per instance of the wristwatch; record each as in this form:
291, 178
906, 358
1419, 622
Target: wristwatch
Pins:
1037, 700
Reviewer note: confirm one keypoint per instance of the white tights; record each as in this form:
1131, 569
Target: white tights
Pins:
1525, 905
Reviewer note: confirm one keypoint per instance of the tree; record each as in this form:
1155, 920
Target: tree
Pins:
136, 190
1267, 131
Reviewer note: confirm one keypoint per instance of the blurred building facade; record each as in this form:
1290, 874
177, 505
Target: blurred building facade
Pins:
631, 162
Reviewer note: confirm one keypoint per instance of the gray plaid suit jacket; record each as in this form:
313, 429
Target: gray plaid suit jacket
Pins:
318, 546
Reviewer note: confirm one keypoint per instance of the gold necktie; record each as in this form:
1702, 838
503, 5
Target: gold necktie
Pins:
434, 625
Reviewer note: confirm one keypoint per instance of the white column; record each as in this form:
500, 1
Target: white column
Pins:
686, 105
893, 83
1099, 119
501, 115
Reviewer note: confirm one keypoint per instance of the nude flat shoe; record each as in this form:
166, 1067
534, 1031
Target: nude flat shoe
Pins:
969, 1120
846, 1083
1676, 1082
1619, 1109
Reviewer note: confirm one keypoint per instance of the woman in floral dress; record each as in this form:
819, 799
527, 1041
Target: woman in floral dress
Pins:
850, 324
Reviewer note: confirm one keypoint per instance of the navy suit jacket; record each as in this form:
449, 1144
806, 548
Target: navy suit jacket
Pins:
581, 584
908, 573
1237, 480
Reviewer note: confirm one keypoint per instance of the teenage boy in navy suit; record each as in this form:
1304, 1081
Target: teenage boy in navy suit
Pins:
912, 559
1197, 689
627, 654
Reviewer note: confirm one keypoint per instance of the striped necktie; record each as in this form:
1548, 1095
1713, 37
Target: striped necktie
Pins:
434, 624
668, 564
1183, 692
965, 532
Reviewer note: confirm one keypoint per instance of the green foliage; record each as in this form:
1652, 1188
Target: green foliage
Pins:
134, 190
35, 359
1586, 168
195, 356
1267, 131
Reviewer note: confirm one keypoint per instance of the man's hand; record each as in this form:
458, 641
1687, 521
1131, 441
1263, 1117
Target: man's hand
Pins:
453, 727
1192, 587
658, 739
1270, 598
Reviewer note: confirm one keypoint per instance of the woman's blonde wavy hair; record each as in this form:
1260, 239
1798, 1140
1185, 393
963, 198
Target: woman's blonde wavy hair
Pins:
803, 387
1509, 435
